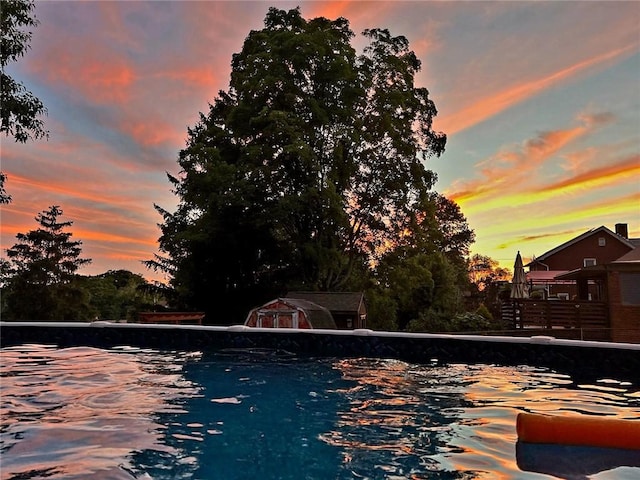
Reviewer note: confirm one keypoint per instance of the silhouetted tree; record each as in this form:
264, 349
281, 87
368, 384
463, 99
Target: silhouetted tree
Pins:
424, 273
42, 266
488, 281
310, 163
21, 110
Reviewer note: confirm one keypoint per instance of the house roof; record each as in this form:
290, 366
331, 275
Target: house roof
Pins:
337, 302
602, 229
631, 256
537, 277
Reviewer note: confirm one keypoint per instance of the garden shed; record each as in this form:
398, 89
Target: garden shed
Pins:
290, 313
348, 309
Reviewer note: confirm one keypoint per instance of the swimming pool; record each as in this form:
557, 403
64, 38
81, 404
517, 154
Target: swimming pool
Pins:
128, 412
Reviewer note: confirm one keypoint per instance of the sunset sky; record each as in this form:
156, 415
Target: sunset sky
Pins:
540, 102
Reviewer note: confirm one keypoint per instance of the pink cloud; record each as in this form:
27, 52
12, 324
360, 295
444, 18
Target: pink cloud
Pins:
94, 71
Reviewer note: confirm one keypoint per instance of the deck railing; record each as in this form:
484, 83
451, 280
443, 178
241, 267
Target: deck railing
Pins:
588, 320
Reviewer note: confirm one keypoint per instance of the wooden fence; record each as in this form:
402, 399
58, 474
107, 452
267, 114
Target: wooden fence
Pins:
175, 318
570, 319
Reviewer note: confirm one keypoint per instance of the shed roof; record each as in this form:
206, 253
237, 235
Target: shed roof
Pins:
318, 316
338, 302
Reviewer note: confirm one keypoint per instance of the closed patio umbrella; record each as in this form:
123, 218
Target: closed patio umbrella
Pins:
519, 282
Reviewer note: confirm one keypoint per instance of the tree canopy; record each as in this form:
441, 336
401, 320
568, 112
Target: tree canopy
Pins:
21, 110
306, 170
20, 115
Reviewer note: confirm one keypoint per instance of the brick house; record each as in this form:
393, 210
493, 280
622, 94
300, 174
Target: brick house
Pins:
598, 274
598, 246
621, 291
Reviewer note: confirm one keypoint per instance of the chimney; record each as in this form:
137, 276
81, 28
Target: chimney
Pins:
622, 230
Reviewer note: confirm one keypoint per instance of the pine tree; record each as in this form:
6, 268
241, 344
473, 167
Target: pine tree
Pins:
42, 266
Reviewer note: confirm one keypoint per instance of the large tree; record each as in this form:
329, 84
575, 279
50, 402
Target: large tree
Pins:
42, 265
307, 166
21, 111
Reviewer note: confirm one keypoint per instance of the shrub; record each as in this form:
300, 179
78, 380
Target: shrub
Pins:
484, 312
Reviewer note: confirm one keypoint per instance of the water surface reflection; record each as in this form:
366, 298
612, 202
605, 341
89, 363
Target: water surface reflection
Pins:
125, 413
412, 421
79, 413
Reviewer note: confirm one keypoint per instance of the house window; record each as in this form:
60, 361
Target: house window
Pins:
602, 241
589, 262
630, 288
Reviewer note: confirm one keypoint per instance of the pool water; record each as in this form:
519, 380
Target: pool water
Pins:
124, 413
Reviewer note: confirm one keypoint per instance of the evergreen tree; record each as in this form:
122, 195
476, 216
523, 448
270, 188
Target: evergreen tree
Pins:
43, 264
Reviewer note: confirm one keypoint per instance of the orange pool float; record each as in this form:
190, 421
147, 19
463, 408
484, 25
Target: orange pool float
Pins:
582, 430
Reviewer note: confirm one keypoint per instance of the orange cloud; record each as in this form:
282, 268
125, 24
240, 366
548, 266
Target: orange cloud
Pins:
331, 10
506, 224
501, 101
202, 77
574, 161
508, 169
71, 190
531, 238
628, 168
512, 173
150, 133
106, 237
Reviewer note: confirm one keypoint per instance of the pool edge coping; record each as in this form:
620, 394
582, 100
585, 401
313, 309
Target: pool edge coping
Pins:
533, 340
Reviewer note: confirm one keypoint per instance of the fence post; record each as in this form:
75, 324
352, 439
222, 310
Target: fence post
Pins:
579, 320
547, 314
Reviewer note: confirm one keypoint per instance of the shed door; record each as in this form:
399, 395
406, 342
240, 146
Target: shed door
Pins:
265, 320
278, 319
287, 319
